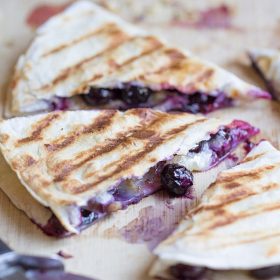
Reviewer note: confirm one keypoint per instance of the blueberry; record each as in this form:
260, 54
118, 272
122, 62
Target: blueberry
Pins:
187, 272
176, 179
88, 217
266, 272
134, 95
221, 142
204, 103
99, 96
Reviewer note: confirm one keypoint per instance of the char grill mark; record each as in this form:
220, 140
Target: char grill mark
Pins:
228, 218
99, 124
118, 38
38, 129
109, 27
234, 194
174, 63
114, 67
128, 162
121, 139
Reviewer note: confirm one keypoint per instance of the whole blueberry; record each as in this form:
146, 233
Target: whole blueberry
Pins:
266, 272
99, 96
221, 142
187, 272
176, 179
134, 95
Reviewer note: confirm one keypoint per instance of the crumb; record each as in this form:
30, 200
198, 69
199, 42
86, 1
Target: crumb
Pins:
64, 254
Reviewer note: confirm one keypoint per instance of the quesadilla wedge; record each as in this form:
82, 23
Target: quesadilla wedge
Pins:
266, 62
234, 227
86, 57
82, 165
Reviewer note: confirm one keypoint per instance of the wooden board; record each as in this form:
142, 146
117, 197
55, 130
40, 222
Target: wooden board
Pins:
119, 248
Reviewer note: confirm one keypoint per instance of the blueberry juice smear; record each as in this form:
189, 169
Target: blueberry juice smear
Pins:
175, 177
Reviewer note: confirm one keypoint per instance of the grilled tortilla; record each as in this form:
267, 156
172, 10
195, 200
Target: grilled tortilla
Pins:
236, 224
267, 64
86, 48
83, 165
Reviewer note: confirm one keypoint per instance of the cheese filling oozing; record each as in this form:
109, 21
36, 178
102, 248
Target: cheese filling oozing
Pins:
205, 155
134, 96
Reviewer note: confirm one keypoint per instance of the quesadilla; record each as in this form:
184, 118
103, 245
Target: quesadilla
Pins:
83, 165
86, 57
266, 62
234, 227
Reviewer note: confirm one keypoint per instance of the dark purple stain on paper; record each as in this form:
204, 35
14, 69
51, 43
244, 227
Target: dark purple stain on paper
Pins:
155, 223
212, 18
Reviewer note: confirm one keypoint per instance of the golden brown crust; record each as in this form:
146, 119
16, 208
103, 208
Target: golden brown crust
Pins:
38, 129
107, 52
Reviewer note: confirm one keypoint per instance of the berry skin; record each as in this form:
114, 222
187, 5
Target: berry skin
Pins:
176, 179
88, 217
134, 95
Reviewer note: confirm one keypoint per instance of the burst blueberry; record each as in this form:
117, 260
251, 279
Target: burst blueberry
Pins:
176, 179
99, 96
134, 95
221, 142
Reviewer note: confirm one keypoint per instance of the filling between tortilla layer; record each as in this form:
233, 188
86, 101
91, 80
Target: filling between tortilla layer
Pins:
134, 96
205, 155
